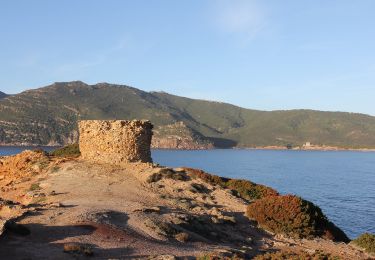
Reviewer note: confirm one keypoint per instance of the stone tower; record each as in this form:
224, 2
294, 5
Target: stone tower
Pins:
116, 142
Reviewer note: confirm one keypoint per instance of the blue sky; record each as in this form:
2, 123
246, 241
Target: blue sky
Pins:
267, 54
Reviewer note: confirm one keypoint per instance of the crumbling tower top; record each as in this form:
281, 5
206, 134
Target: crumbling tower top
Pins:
115, 142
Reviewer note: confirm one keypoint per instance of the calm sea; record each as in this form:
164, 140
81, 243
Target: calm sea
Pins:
341, 183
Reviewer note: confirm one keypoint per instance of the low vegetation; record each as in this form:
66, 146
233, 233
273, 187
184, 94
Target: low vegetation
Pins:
167, 173
71, 150
34, 187
54, 169
319, 255
366, 241
242, 188
249, 190
295, 217
217, 256
76, 248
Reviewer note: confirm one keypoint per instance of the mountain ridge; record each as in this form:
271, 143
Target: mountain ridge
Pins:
48, 115
3, 95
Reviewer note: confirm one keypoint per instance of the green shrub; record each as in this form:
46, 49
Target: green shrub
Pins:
34, 187
249, 190
243, 188
366, 241
295, 217
71, 150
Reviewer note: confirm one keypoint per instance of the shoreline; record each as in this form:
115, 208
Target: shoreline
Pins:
265, 148
317, 148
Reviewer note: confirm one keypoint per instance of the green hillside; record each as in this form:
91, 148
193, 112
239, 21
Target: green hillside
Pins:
48, 116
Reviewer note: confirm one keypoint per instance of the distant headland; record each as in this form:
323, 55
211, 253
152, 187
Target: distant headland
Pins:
49, 116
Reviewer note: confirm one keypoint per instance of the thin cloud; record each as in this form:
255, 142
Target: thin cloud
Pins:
241, 17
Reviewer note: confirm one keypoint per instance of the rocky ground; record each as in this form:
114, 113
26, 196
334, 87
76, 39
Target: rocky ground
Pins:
67, 208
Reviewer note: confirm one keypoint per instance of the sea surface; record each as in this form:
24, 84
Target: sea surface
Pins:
10, 150
342, 183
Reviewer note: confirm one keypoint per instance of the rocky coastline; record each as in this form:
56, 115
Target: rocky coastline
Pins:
181, 144
313, 148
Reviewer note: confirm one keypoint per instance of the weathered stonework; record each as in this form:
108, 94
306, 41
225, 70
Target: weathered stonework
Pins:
115, 142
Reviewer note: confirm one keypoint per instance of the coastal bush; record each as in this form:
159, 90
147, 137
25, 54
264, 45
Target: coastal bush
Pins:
249, 190
71, 150
319, 255
209, 178
295, 217
167, 173
242, 188
366, 241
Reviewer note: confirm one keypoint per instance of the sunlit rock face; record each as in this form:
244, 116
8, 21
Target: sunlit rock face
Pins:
116, 142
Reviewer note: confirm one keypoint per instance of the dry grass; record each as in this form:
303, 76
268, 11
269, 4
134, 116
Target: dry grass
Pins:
34, 187
54, 169
366, 241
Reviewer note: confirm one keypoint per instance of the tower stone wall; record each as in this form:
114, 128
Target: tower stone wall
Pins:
116, 142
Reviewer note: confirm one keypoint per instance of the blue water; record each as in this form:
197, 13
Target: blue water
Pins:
9, 150
341, 183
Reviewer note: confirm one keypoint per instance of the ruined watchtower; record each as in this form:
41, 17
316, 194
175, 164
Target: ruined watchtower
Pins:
115, 142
